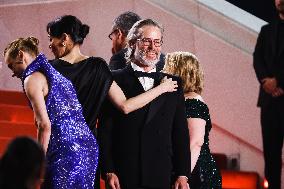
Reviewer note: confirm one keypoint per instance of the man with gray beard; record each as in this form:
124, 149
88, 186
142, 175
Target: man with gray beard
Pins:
268, 63
118, 36
148, 148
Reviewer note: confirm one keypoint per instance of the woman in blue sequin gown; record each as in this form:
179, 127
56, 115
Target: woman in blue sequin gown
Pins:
204, 171
70, 146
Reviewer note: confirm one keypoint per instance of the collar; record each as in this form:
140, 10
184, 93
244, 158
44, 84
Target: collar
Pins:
137, 68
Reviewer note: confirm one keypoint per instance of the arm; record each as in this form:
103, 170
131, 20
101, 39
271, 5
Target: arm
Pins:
118, 98
258, 58
197, 132
267, 80
36, 88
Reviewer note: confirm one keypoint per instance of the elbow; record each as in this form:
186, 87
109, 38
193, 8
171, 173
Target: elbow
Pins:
125, 109
196, 144
44, 125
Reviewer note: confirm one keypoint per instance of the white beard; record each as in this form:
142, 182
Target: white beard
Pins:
139, 56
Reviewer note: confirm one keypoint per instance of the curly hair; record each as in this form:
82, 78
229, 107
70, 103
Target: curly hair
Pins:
187, 67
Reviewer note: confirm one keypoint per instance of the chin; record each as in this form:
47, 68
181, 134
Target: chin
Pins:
56, 55
17, 76
152, 59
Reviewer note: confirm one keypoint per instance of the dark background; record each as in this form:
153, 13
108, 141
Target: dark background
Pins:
263, 9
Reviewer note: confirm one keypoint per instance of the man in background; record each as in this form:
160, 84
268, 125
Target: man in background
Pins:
268, 63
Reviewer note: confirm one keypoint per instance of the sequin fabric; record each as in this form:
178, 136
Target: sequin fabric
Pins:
72, 154
205, 174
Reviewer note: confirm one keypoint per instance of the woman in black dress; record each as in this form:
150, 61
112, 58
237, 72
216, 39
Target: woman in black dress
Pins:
91, 76
204, 171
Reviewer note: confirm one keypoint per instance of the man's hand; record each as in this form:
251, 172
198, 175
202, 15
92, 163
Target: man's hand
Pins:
278, 92
112, 181
269, 85
181, 183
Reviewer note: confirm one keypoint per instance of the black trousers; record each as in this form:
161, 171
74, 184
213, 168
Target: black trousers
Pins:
272, 124
97, 178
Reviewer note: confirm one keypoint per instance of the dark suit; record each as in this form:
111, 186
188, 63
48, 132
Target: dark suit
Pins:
118, 61
150, 146
269, 62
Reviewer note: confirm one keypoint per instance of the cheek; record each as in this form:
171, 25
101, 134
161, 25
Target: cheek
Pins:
18, 68
57, 51
114, 44
143, 50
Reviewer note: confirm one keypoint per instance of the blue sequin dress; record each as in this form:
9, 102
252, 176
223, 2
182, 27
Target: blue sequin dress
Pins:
205, 174
72, 154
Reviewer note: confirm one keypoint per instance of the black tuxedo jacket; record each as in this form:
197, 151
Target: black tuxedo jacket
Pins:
268, 60
150, 146
118, 61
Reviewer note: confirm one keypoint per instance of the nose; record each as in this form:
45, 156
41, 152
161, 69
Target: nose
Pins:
151, 45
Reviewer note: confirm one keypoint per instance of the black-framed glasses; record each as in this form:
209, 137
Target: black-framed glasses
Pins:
110, 35
149, 41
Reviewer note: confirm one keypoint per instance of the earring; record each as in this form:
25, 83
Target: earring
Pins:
63, 44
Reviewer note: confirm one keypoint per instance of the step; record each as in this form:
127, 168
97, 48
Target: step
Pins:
239, 179
16, 113
13, 98
11, 129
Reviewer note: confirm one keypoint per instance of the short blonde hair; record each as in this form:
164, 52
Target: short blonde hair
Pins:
187, 67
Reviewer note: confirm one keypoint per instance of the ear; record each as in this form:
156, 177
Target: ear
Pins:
21, 54
132, 44
22, 57
64, 37
120, 35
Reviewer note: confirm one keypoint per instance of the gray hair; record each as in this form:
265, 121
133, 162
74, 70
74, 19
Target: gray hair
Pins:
125, 21
136, 32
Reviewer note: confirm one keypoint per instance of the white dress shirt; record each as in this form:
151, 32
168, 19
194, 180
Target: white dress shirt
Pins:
146, 82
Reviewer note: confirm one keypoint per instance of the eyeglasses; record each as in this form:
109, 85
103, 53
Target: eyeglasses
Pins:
149, 41
110, 35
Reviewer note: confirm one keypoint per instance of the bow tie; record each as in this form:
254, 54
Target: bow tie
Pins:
153, 75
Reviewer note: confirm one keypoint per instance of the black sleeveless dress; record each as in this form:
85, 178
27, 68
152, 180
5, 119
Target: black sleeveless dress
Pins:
205, 174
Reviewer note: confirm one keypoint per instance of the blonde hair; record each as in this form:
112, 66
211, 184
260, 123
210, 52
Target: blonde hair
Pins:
187, 67
29, 45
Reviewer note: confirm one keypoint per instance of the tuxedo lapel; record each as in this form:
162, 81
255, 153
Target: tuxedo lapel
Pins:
156, 104
133, 82
136, 86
